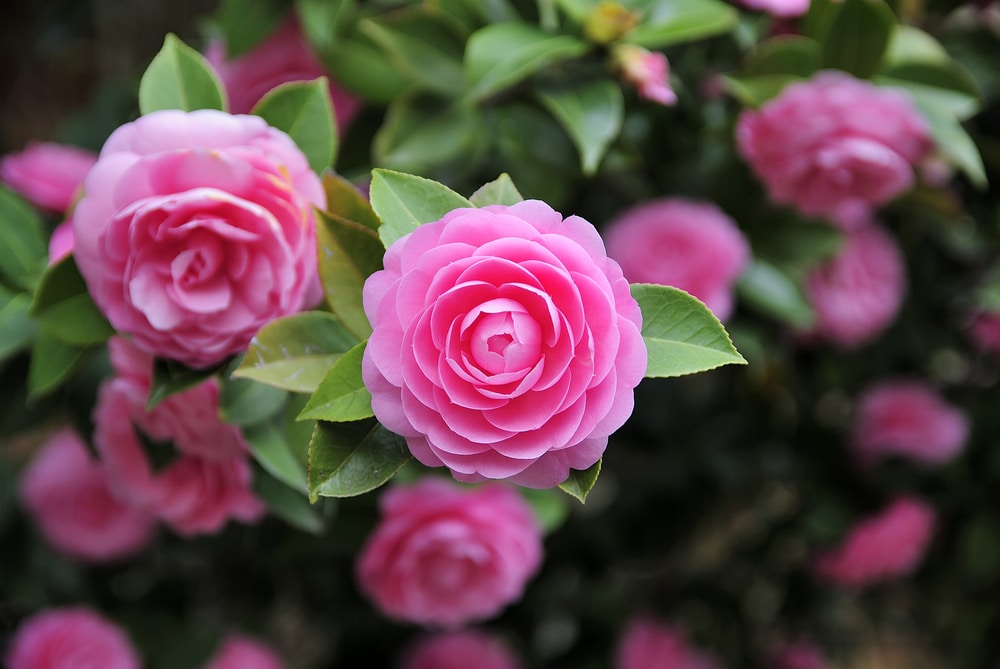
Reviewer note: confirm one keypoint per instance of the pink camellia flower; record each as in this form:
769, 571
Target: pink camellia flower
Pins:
66, 493
910, 420
778, 7
506, 344
648, 71
887, 545
460, 650
70, 638
984, 330
835, 146
647, 642
858, 292
447, 555
240, 652
284, 56
47, 174
798, 655
195, 229
61, 242
193, 495
690, 245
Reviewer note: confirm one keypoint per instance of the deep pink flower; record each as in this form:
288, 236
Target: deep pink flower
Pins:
984, 330
460, 650
506, 344
239, 652
195, 229
71, 638
779, 7
647, 643
907, 419
798, 655
61, 242
690, 245
47, 174
857, 293
835, 146
284, 56
447, 555
887, 545
66, 493
648, 71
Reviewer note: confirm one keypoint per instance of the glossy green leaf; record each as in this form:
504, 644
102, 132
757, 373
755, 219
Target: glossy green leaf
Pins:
304, 111
179, 78
17, 329
768, 289
580, 483
270, 449
793, 55
667, 22
348, 254
422, 132
287, 504
170, 378
23, 248
592, 115
345, 200
753, 91
503, 54
295, 352
245, 23
682, 335
64, 308
360, 66
856, 35
404, 201
499, 191
52, 363
419, 47
341, 395
348, 459
245, 402
321, 20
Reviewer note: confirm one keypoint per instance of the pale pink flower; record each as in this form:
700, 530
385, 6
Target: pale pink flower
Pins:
506, 344
447, 555
779, 7
682, 243
240, 652
195, 229
66, 493
647, 643
908, 419
61, 242
70, 638
460, 650
648, 71
857, 293
47, 174
798, 655
888, 545
284, 56
835, 146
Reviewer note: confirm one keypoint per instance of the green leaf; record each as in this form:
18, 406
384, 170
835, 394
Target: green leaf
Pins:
342, 395
52, 362
754, 91
170, 378
783, 55
912, 45
580, 483
245, 402
499, 191
668, 22
767, 288
285, 503
952, 140
321, 20
64, 308
179, 78
23, 248
348, 254
348, 459
270, 448
944, 88
682, 335
549, 505
245, 23
420, 47
855, 36
295, 352
422, 132
345, 200
17, 329
360, 66
591, 114
304, 111
404, 201
503, 54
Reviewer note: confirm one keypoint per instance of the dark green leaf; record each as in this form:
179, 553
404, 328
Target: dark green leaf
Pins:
179, 78
363, 68
783, 55
345, 200
245, 23
667, 22
422, 132
580, 483
941, 87
549, 505
951, 138
592, 116
404, 201
499, 191
755, 91
52, 362
341, 395
773, 292
321, 20
270, 448
63, 306
245, 402
348, 459
170, 378
17, 329
419, 47
856, 37
23, 248
348, 254
304, 111
287, 504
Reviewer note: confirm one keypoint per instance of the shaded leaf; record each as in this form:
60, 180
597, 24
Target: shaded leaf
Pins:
345, 200
592, 115
321, 20
17, 329
52, 363
245, 23
348, 459
404, 201
667, 22
580, 483
64, 308
287, 504
179, 78
422, 132
783, 55
499, 191
245, 402
855, 36
303, 110
341, 395
754, 91
270, 448
767, 288
170, 377
348, 254
23, 248
419, 47
360, 66
550, 507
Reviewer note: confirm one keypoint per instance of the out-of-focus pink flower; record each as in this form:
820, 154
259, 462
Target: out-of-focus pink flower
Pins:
798, 655
690, 245
240, 652
66, 493
835, 146
195, 229
70, 638
284, 56
47, 174
910, 420
460, 650
61, 242
888, 545
984, 330
506, 344
648, 71
447, 555
193, 495
647, 643
858, 292
778, 7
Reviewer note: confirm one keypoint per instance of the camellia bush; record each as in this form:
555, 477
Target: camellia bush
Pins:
511, 333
